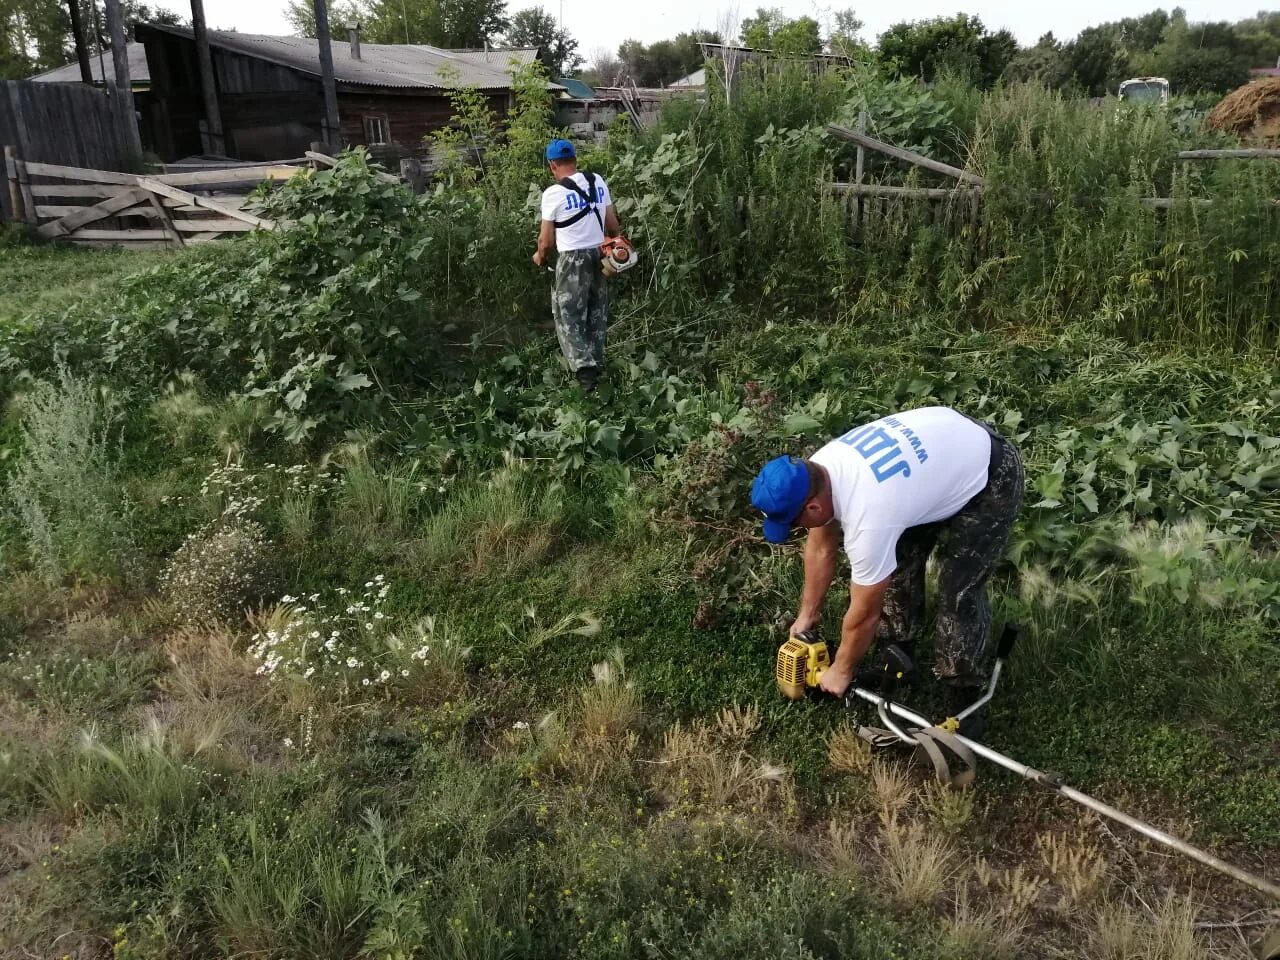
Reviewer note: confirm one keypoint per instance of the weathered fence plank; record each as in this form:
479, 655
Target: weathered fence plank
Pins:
1253, 153
907, 156
84, 215
167, 190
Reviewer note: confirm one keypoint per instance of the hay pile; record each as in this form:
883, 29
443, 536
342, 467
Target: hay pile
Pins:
1252, 112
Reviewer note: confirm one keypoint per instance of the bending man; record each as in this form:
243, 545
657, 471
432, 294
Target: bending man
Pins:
900, 488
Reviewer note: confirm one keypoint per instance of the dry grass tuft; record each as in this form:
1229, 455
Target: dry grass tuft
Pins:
848, 752
699, 765
843, 855
206, 665
917, 865
611, 707
1016, 891
1076, 866
891, 788
982, 933
738, 723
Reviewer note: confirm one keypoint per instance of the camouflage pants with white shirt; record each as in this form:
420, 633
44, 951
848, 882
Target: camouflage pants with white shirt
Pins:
580, 307
967, 547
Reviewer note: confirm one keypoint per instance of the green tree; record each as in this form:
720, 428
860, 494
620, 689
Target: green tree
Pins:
844, 40
455, 24
1042, 64
534, 27
771, 29
663, 62
1095, 60
960, 43
301, 15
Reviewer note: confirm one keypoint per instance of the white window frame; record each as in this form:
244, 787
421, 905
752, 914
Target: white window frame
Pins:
375, 124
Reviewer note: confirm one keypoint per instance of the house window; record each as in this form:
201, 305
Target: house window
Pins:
376, 131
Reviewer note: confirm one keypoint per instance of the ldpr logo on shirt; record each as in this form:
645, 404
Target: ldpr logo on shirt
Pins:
874, 440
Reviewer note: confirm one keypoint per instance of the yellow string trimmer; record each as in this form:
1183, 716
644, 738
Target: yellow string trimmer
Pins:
798, 669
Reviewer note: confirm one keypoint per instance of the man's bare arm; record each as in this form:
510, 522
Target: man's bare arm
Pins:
546, 242
856, 633
820, 549
611, 226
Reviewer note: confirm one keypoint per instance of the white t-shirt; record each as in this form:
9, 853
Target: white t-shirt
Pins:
559, 203
897, 472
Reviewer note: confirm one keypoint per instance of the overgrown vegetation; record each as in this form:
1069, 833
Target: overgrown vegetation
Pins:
337, 623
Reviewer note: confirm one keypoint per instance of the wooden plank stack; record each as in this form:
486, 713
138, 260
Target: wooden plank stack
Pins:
104, 208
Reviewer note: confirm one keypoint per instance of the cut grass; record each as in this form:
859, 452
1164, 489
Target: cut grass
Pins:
46, 279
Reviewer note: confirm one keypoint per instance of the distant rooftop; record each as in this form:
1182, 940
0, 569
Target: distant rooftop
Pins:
402, 66
138, 72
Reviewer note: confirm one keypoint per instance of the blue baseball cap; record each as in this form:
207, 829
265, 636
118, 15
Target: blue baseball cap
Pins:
779, 492
561, 150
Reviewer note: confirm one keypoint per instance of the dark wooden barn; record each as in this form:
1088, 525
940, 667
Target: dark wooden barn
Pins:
269, 93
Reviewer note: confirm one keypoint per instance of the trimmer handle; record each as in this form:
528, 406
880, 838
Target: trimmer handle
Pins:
1008, 637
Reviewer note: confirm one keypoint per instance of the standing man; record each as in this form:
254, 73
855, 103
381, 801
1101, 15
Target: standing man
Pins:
899, 488
577, 216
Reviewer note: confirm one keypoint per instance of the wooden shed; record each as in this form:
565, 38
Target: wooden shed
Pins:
390, 96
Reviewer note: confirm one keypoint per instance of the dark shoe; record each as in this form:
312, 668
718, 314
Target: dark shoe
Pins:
588, 377
956, 698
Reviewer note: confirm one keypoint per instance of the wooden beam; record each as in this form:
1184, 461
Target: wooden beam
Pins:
884, 191
118, 244
15, 190
131, 234
213, 226
264, 171
80, 173
166, 221
76, 189
1256, 153
84, 215
907, 156
166, 190
23, 170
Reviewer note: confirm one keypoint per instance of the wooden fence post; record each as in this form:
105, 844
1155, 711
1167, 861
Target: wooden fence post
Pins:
15, 192
857, 172
24, 188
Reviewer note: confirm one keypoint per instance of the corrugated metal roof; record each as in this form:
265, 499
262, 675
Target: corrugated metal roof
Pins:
576, 89
138, 71
404, 66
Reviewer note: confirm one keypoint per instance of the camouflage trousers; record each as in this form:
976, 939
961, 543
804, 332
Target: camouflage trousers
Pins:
967, 547
580, 306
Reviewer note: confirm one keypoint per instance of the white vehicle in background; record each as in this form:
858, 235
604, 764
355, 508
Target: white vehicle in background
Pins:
1145, 90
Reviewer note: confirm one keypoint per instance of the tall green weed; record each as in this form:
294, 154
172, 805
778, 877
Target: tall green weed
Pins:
65, 492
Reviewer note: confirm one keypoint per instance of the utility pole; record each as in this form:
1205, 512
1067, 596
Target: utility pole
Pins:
122, 87
77, 34
332, 131
212, 115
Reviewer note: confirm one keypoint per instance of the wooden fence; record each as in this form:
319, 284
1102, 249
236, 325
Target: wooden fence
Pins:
63, 123
105, 208
971, 186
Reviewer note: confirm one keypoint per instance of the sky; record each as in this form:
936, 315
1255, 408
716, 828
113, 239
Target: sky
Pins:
650, 20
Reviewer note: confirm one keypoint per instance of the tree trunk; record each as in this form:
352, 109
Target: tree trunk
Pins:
77, 34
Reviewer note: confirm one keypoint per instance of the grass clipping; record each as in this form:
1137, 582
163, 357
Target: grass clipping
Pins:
1252, 111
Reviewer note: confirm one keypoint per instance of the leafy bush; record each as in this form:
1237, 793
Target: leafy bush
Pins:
65, 491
